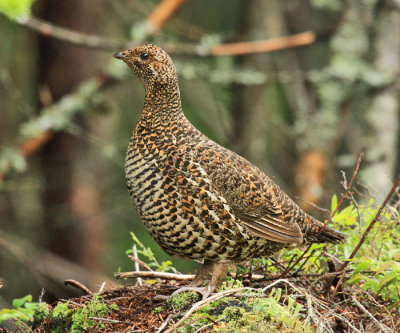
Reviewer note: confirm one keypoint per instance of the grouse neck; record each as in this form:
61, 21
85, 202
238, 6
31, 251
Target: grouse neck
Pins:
162, 102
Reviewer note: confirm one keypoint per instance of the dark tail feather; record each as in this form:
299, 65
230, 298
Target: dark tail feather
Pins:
331, 235
319, 233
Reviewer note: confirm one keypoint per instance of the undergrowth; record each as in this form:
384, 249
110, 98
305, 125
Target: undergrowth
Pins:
369, 282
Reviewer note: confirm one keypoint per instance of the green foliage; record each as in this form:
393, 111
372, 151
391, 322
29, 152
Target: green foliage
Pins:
349, 74
23, 309
15, 8
59, 116
376, 266
147, 252
377, 263
11, 158
334, 5
56, 117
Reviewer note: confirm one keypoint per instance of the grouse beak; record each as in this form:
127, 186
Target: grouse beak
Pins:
120, 55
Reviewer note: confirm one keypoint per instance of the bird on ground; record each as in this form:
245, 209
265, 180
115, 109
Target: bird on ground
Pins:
198, 199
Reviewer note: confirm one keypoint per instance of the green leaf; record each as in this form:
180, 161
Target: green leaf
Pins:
19, 302
362, 266
6, 314
356, 278
15, 8
389, 278
371, 284
334, 203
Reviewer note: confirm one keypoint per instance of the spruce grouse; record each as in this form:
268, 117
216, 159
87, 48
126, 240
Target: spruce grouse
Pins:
197, 199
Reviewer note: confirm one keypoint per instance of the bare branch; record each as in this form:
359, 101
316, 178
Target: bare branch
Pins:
269, 45
162, 13
69, 35
156, 21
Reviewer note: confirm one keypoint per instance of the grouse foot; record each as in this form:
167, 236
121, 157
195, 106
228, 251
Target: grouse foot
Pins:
209, 271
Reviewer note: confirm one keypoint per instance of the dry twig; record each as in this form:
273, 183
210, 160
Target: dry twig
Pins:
78, 285
154, 274
69, 35
382, 327
137, 269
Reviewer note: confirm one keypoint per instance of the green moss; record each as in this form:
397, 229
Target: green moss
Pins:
78, 320
182, 300
113, 307
250, 314
41, 312
81, 317
158, 309
61, 311
233, 313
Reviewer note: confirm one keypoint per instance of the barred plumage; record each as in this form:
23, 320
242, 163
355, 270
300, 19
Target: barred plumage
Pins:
197, 199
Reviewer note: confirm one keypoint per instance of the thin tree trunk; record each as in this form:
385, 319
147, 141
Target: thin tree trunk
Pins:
73, 216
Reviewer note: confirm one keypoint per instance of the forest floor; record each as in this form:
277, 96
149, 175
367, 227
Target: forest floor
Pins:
308, 303
348, 287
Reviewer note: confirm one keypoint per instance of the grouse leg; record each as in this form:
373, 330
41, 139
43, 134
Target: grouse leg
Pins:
209, 271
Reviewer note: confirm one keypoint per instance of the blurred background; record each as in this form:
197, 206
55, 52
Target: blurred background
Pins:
298, 87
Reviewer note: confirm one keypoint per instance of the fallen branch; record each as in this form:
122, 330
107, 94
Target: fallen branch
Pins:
78, 285
155, 275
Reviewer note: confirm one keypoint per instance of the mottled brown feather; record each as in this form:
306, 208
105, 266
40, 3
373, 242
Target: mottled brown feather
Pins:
200, 200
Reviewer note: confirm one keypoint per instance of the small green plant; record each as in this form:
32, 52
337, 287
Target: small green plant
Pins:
377, 263
23, 309
230, 283
164, 266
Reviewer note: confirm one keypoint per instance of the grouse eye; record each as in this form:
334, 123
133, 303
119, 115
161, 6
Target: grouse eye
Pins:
144, 56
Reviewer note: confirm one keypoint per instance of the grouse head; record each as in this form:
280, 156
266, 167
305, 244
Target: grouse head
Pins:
151, 64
